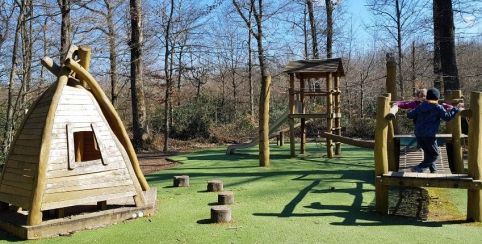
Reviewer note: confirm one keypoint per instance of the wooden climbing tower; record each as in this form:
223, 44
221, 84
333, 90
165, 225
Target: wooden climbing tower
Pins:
311, 76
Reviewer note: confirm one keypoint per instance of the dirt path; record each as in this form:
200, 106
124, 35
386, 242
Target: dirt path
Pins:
154, 161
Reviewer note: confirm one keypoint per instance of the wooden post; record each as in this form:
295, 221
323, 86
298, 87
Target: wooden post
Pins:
391, 85
392, 160
381, 153
337, 101
390, 82
455, 127
303, 120
474, 200
281, 139
329, 114
291, 112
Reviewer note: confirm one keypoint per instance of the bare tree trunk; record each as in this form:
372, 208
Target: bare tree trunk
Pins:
66, 27
314, 41
447, 45
264, 93
8, 133
45, 46
329, 28
180, 72
112, 51
414, 73
167, 97
437, 62
399, 48
137, 87
26, 34
250, 68
305, 34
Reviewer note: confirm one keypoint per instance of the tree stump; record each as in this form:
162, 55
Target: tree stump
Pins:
226, 198
181, 181
221, 214
215, 185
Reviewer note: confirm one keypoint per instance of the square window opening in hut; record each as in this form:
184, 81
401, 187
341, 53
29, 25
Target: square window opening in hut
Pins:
86, 147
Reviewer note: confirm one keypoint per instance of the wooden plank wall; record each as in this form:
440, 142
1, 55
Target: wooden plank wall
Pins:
21, 167
89, 181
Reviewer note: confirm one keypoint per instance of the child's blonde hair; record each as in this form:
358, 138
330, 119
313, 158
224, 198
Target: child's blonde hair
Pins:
422, 92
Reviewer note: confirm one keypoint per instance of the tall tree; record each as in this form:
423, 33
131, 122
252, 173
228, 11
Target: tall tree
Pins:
329, 28
66, 27
250, 66
437, 62
137, 87
443, 15
168, 75
27, 46
263, 122
400, 19
314, 39
9, 122
108, 15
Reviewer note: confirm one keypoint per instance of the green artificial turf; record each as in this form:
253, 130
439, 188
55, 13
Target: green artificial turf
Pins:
301, 200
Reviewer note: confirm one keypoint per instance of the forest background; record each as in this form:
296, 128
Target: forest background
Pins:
180, 72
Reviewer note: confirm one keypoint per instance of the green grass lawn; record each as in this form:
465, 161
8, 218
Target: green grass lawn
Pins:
310, 200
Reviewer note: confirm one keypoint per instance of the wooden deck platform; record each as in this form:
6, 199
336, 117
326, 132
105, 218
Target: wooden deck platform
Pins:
410, 157
15, 222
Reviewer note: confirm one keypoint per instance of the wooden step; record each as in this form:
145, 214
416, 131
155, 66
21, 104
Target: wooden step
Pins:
414, 179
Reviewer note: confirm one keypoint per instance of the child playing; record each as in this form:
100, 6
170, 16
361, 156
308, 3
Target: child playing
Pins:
420, 95
427, 118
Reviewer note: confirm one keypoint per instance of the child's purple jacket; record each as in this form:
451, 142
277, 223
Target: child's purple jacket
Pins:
415, 103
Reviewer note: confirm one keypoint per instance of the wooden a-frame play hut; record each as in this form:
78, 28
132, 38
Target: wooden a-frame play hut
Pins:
72, 157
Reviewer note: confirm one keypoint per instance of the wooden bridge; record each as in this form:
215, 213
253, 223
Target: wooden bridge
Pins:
392, 165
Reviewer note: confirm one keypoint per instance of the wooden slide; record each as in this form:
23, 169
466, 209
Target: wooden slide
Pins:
273, 129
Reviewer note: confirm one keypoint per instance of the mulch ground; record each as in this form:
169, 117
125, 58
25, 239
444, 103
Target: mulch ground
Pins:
154, 161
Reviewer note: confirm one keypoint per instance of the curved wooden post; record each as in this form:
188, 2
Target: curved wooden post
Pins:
35, 212
381, 153
291, 112
455, 128
474, 200
112, 116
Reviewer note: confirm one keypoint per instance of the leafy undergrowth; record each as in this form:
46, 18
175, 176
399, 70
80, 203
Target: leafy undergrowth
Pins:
302, 200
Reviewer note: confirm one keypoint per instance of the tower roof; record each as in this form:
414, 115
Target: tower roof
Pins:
315, 66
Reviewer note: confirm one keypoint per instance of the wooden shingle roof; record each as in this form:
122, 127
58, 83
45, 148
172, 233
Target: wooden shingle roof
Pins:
315, 66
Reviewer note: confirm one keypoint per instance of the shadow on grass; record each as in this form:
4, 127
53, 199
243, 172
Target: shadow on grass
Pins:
204, 221
356, 214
